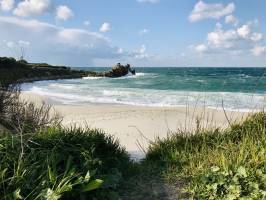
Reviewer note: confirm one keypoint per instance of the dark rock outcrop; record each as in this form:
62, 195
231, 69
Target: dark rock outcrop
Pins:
117, 71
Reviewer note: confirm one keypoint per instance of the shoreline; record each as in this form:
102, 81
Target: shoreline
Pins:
136, 126
61, 92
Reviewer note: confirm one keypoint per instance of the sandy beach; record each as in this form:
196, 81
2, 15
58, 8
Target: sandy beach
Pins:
136, 126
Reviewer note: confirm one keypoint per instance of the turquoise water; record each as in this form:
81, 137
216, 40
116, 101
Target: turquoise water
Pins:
234, 88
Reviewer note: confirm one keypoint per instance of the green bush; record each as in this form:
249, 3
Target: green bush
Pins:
230, 185
23, 117
59, 163
211, 162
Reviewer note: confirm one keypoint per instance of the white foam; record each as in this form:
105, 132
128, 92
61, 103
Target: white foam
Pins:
62, 86
137, 75
92, 78
140, 74
82, 93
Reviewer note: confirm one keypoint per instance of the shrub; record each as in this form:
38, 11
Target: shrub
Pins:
213, 163
57, 163
23, 117
240, 183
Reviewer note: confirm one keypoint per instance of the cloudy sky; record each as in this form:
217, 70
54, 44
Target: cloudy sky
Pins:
181, 33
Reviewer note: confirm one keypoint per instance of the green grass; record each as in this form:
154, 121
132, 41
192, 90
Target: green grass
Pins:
57, 163
228, 164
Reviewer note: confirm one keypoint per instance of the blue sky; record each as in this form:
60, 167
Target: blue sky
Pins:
181, 33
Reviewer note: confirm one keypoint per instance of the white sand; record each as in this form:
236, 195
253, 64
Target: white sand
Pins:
137, 126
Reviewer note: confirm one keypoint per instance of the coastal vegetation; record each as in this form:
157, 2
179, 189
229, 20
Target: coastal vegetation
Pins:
12, 71
216, 164
40, 159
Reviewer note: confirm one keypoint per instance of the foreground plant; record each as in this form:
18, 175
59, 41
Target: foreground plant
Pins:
238, 184
217, 164
20, 116
61, 164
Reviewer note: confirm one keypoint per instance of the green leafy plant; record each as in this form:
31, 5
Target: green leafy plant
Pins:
58, 163
230, 184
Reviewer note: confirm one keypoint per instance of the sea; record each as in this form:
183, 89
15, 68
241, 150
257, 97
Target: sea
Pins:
239, 89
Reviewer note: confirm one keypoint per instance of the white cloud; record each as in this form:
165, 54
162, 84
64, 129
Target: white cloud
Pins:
148, 1
201, 48
144, 31
220, 38
86, 23
256, 37
141, 53
6, 5
142, 49
63, 12
28, 8
244, 31
232, 41
57, 45
258, 50
231, 19
105, 27
214, 11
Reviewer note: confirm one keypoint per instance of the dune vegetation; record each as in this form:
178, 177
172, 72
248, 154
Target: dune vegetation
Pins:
40, 159
56, 163
216, 164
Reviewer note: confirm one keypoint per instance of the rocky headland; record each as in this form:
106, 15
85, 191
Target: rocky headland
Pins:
21, 71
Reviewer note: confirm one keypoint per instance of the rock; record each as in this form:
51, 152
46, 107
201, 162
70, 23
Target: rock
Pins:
117, 71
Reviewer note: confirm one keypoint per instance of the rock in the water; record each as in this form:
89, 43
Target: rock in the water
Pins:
117, 71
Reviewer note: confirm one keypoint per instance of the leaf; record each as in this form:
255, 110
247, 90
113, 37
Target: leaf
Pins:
234, 192
214, 186
215, 169
87, 176
68, 164
51, 195
95, 184
17, 195
241, 171
51, 174
3, 173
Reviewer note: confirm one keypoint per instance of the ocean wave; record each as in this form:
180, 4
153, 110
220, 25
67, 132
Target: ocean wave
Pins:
138, 75
115, 92
244, 76
92, 78
156, 98
62, 86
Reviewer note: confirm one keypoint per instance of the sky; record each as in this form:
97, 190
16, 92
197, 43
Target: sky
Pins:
144, 33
